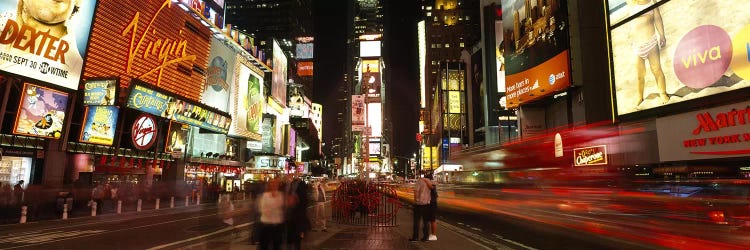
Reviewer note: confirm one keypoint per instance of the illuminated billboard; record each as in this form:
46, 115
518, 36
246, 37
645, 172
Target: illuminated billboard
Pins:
248, 107
422, 47
371, 77
375, 119
215, 14
369, 49
278, 85
304, 51
537, 60
99, 124
99, 92
219, 74
358, 112
374, 147
269, 133
41, 112
669, 53
177, 137
172, 55
304, 68
47, 40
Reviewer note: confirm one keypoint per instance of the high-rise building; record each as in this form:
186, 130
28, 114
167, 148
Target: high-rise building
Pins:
271, 18
448, 28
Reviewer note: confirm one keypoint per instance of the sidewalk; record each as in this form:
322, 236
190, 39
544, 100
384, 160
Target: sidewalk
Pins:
341, 236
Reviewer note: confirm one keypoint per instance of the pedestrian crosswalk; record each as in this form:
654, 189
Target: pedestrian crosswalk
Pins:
35, 237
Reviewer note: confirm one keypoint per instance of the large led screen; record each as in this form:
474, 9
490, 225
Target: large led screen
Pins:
536, 49
219, 74
304, 51
678, 51
304, 68
375, 118
369, 49
249, 107
45, 40
41, 112
371, 77
269, 133
358, 112
278, 87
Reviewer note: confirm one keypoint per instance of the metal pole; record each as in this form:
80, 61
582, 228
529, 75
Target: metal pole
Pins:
119, 207
157, 203
171, 202
93, 208
138, 208
65, 211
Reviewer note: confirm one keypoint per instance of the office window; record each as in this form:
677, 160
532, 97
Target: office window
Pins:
467, 18
447, 45
461, 45
429, 13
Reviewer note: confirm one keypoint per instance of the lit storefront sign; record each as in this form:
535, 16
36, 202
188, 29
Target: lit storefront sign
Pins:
719, 132
41, 112
52, 48
144, 132
590, 156
99, 125
177, 138
151, 101
154, 41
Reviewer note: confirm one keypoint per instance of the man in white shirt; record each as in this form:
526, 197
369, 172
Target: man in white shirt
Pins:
319, 194
421, 206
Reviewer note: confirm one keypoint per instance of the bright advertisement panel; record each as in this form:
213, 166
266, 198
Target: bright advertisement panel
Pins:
278, 87
172, 55
375, 119
154, 102
374, 147
304, 51
499, 57
99, 92
304, 68
292, 141
248, 110
537, 60
369, 49
219, 74
41, 112
177, 137
371, 77
358, 112
422, 47
269, 133
213, 14
678, 51
50, 49
454, 102
99, 125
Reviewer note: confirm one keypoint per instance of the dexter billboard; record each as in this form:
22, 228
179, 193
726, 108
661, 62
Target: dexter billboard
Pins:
537, 61
45, 40
677, 50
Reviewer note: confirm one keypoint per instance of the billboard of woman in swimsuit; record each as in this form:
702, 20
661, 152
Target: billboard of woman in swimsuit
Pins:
665, 52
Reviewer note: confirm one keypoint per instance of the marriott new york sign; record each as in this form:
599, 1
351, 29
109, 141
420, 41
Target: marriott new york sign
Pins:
719, 132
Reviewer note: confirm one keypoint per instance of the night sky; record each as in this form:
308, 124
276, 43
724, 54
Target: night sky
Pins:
401, 60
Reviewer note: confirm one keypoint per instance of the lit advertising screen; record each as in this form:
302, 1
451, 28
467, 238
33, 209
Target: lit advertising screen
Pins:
369, 49
177, 137
374, 119
278, 87
99, 92
292, 141
248, 111
52, 48
454, 102
536, 49
499, 57
358, 112
99, 124
304, 51
422, 47
304, 68
371, 77
213, 14
677, 51
269, 133
41, 112
374, 147
219, 74
172, 55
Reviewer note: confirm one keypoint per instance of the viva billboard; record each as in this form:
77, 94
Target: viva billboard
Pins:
677, 50
45, 40
537, 60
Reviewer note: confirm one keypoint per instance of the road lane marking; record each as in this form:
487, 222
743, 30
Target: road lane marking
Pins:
200, 236
472, 237
45, 237
513, 242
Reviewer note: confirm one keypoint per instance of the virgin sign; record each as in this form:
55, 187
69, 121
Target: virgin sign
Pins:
143, 132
